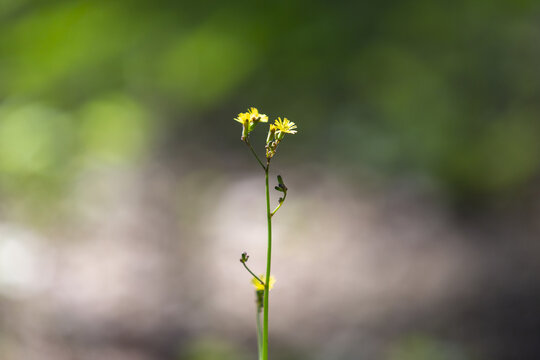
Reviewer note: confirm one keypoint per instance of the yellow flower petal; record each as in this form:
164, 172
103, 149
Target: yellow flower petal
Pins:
285, 126
251, 117
254, 115
257, 284
242, 118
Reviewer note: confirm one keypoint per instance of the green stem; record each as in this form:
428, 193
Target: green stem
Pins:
259, 334
254, 153
251, 272
268, 263
281, 203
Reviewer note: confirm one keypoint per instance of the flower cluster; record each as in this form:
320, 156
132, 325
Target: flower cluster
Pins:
249, 119
276, 133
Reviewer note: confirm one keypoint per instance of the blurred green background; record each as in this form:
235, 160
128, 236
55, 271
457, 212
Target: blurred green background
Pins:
419, 138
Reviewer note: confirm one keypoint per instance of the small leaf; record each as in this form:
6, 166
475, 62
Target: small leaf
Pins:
278, 188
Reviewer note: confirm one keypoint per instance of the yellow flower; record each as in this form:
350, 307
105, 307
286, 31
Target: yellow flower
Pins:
254, 115
285, 126
259, 286
248, 120
243, 118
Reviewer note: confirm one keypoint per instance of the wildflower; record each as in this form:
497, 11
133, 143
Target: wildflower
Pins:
243, 118
255, 117
276, 133
249, 119
285, 126
259, 286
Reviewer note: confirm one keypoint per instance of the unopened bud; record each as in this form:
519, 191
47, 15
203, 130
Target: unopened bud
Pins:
281, 184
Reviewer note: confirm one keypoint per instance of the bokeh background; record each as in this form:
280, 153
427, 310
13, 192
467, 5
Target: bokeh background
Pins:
126, 196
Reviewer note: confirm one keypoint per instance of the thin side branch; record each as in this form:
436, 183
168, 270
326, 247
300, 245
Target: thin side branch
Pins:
254, 154
251, 272
280, 203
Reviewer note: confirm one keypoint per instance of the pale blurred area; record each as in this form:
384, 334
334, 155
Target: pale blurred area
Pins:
410, 231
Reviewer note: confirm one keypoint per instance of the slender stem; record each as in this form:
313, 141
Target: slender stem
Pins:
251, 272
254, 153
268, 264
281, 203
259, 334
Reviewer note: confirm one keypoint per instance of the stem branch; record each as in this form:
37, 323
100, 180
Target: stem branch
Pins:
251, 272
280, 203
254, 154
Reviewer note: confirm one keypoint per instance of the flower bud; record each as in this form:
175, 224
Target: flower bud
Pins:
244, 257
